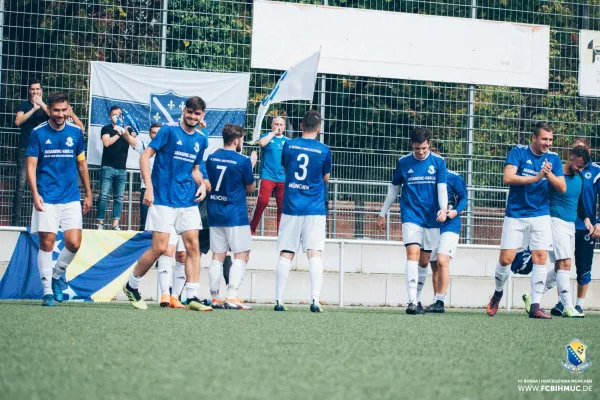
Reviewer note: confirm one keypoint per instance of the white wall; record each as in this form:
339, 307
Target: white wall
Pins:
373, 276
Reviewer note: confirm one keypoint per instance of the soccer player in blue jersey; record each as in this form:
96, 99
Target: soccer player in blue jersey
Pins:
307, 164
231, 179
446, 251
565, 208
423, 204
55, 156
530, 171
172, 191
584, 240
272, 175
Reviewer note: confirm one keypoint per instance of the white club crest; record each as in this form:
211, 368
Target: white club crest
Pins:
69, 141
196, 147
431, 169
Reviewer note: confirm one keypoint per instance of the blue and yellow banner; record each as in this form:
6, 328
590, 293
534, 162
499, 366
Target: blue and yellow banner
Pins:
97, 273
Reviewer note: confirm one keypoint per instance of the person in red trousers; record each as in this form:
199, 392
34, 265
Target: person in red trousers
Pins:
272, 176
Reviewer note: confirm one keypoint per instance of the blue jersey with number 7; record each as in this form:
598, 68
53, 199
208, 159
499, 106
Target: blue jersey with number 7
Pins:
306, 162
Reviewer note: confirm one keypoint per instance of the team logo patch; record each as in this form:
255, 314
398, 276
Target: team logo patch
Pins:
166, 107
431, 169
575, 361
69, 141
196, 147
48, 141
588, 175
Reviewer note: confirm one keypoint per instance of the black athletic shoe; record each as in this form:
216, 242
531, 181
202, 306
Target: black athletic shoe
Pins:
420, 308
411, 309
438, 307
429, 308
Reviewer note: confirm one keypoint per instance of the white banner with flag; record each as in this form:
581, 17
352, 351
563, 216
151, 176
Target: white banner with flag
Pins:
157, 95
297, 83
589, 63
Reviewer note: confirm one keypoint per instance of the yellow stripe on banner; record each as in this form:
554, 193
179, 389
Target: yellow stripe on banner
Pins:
95, 245
110, 291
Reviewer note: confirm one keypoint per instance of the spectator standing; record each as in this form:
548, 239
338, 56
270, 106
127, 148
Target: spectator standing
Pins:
30, 114
113, 174
272, 175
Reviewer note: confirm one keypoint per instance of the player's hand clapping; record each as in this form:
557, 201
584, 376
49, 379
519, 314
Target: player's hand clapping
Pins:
149, 196
451, 214
38, 202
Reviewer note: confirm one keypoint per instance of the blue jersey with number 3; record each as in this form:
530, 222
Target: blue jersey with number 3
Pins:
306, 162
228, 172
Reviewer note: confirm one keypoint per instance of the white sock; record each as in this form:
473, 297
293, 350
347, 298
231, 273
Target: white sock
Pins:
64, 259
44, 260
580, 302
134, 281
501, 276
562, 282
178, 279
441, 296
282, 272
214, 277
551, 278
421, 282
236, 276
165, 268
191, 289
315, 269
538, 282
411, 275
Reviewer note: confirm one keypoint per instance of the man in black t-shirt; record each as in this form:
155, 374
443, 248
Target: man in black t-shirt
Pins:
30, 114
114, 160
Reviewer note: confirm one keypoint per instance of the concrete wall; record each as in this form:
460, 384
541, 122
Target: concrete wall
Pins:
373, 276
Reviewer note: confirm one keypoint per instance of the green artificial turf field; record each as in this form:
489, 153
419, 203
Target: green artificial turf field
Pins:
85, 350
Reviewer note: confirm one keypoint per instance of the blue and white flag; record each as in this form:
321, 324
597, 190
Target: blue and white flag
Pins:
157, 95
297, 83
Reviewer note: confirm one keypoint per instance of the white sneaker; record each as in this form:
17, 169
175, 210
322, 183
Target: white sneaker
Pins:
116, 228
235, 304
100, 227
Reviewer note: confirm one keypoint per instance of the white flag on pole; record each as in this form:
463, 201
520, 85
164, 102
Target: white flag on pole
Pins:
297, 83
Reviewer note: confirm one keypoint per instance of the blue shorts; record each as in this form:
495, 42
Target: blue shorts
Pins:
584, 255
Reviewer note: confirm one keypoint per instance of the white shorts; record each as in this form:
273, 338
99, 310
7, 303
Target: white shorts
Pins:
235, 238
176, 240
447, 245
563, 240
306, 230
520, 233
67, 216
427, 238
165, 219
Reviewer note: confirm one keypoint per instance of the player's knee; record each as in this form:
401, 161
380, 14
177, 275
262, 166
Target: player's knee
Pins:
73, 246
160, 247
180, 256
584, 277
192, 248
170, 251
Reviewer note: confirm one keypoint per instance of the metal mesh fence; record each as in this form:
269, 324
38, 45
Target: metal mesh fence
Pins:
367, 119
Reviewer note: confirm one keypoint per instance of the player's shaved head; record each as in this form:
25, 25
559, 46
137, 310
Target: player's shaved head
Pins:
311, 122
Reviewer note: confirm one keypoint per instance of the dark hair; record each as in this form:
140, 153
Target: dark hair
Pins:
195, 103
34, 81
57, 97
584, 142
581, 151
156, 126
311, 121
420, 135
539, 126
113, 108
232, 132
435, 150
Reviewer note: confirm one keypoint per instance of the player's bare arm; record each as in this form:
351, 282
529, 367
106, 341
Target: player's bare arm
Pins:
265, 140
511, 177
84, 175
38, 202
146, 176
558, 182
199, 179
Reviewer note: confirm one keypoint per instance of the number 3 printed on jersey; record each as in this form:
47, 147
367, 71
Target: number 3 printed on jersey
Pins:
303, 160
